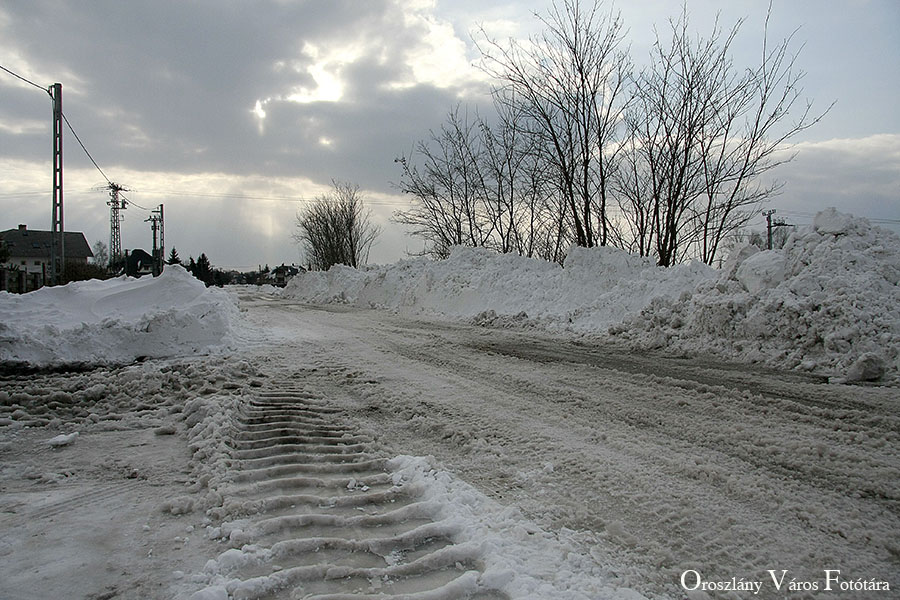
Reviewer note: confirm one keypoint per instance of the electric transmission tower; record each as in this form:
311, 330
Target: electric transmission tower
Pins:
116, 204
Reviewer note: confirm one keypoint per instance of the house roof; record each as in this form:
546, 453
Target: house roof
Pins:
34, 243
138, 260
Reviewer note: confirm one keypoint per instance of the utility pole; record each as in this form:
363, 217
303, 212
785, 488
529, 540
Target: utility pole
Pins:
158, 228
768, 214
771, 225
116, 204
57, 235
162, 239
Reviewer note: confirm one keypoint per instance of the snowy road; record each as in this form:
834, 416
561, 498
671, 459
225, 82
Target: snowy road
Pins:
657, 465
344, 453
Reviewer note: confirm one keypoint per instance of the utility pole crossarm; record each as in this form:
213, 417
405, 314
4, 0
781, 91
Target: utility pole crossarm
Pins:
771, 225
162, 239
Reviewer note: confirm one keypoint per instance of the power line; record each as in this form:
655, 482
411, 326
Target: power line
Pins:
28, 81
135, 204
72, 129
809, 215
18, 194
80, 143
174, 193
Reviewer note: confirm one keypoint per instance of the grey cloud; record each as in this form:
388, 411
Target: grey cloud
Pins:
171, 85
860, 176
365, 137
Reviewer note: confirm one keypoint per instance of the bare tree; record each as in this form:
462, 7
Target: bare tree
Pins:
504, 160
701, 135
101, 253
448, 188
480, 184
336, 229
570, 82
538, 178
669, 163
523, 199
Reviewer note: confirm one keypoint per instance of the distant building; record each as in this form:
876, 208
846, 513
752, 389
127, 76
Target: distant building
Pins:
281, 275
29, 249
138, 263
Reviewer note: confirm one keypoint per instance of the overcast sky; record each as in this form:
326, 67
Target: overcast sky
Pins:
233, 113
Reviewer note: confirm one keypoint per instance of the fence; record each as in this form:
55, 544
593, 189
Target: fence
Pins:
16, 281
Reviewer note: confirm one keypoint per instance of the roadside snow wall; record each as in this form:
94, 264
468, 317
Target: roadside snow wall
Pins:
828, 302
115, 321
596, 288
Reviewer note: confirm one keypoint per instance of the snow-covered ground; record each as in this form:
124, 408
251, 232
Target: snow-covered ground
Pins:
495, 434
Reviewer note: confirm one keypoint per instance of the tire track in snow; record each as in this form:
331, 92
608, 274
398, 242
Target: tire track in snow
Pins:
317, 513
67, 500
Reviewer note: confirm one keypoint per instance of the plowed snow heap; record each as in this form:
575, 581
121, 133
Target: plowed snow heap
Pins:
828, 302
115, 321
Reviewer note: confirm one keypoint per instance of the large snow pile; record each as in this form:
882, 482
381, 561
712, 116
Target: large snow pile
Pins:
596, 287
115, 321
827, 302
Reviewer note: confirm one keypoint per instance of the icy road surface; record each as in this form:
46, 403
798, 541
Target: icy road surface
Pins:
345, 453
657, 464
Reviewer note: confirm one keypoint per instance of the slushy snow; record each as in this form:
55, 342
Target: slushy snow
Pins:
115, 321
827, 302
520, 559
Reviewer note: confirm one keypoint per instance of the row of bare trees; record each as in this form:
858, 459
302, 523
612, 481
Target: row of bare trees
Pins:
666, 162
482, 185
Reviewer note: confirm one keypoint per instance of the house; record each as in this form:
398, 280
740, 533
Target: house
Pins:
138, 263
29, 251
281, 275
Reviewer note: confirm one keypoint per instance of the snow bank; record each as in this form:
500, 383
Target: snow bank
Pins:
115, 321
595, 288
827, 302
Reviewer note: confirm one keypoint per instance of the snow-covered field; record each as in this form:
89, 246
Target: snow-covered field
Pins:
506, 429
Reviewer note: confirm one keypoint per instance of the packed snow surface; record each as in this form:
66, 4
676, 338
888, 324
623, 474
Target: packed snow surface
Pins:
826, 302
115, 321
530, 465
